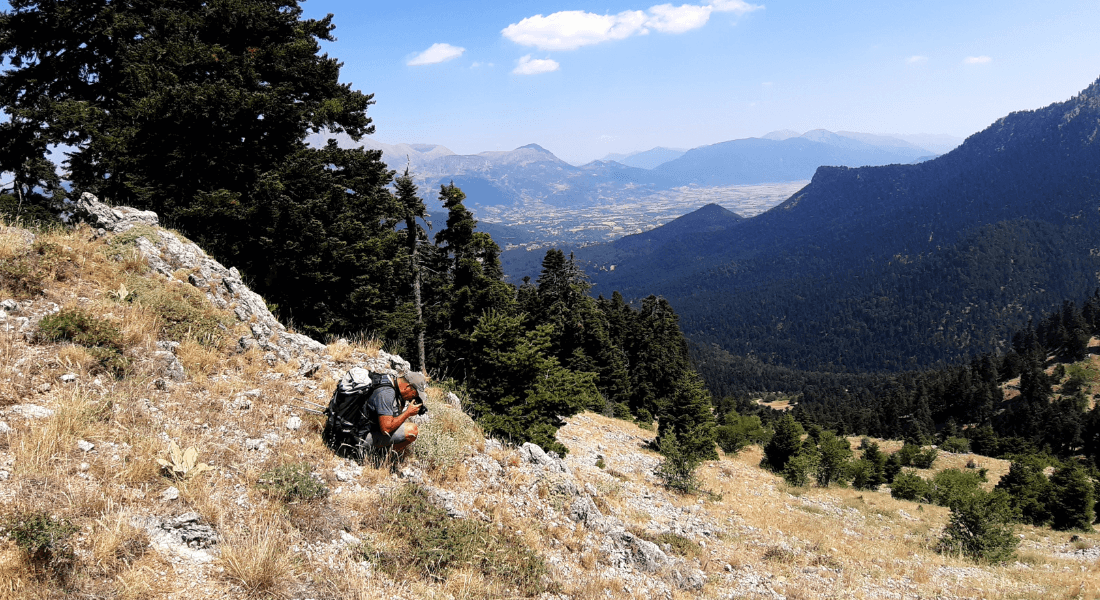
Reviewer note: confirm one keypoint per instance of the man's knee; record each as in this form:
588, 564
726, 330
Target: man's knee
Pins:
411, 432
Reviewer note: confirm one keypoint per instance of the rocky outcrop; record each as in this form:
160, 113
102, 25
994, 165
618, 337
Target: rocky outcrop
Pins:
175, 258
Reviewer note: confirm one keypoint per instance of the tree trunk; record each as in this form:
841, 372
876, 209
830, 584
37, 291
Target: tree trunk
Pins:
410, 226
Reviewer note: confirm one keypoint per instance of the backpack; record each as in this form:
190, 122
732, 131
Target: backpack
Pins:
343, 427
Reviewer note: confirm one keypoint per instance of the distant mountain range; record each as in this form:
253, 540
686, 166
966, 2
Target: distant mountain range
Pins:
532, 174
647, 159
886, 267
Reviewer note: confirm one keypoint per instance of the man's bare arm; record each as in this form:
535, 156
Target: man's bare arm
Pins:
390, 424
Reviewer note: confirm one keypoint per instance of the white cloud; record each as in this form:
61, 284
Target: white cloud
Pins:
534, 66
571, 29
917, 60
667, 18
977, 60
436, 54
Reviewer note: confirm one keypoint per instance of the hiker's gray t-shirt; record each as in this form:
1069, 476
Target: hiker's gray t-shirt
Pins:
383, 401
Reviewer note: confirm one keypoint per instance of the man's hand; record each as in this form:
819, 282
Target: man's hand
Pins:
413, 408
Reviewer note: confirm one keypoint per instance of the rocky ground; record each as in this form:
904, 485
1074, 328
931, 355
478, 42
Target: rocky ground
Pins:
83, 446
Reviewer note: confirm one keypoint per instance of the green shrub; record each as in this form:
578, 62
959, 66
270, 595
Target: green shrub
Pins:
797, 470
958, 445
980, 528
677, 470
44, 539
906, 454
24, 275
737, 432
924, 460
291, 483
428, 542
952, 486
910, 486
100, 336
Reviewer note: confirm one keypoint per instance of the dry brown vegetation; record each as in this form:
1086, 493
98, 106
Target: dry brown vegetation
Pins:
753, 538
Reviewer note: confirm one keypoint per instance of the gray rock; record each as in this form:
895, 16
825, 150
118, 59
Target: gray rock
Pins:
68, 378
535, 455
31, 411
294, 423
115, 219
453, 400
10, 305
170, 494
168, 346
446, 500
4, 428
583, 510
168, 365
255, 444
85, 446
627, 549
687, 578
309, 369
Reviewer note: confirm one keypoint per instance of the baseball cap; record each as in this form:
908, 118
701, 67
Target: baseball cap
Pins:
417, 380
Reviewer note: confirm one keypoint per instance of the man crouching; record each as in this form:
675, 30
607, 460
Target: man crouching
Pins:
387, 426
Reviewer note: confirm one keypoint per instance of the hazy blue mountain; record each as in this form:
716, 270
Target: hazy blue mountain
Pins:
531, 172
895, 266
757, 160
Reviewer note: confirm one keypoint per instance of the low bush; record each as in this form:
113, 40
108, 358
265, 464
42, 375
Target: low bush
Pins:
44, 539
447, 436
924, 460
25, 274
102, 338
951, 486
424, 540
958, 445
980, 528
291, 483
910, 486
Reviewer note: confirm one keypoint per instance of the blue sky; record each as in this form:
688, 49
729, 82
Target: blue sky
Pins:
587, 77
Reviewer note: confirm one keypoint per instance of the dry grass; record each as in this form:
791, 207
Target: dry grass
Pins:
257, 559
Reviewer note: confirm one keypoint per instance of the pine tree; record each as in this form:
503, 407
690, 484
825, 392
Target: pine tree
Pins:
1028, 490
785, 443
1072, 499
834, 452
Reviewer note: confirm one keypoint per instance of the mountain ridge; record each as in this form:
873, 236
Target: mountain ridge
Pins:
1023, 188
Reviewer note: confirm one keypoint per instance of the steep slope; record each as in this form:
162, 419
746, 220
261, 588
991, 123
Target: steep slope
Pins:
876, 266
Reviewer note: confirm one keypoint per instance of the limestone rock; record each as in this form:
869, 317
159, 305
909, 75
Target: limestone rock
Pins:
535, 455
626, 549
169, 366
114, 219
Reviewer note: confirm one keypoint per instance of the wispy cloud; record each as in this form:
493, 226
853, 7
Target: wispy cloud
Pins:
916, 60
572, 29
977, 60
534, 66
436, 54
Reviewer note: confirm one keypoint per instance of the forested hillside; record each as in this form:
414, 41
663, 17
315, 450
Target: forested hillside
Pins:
901, 266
